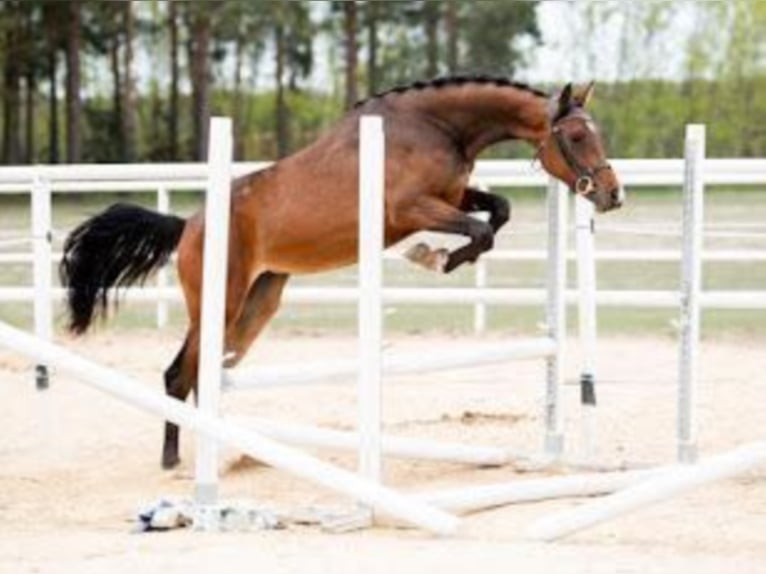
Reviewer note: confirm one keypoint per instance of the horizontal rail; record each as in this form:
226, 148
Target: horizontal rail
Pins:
513, 173
626, 298
395, 446
393, 364
164, 173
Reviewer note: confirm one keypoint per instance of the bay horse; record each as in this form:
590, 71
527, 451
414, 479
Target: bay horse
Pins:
300, 215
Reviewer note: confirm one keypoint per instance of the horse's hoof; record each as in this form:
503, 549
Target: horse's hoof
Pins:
417, 253
439, 259
170, 462
433, 259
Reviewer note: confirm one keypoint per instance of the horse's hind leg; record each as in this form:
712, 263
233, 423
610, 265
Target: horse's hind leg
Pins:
181, 375
180, 380
260, 305
243, 326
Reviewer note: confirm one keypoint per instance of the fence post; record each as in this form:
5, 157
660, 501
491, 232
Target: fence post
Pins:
42, 237
691, 283
480, 309
370, 316
163, 206
586, 284
217, 202
480, 278
556, 314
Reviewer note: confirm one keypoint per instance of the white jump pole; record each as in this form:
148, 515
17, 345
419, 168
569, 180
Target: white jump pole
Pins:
163, 206
372, 156
476, 498
556, 315
586, 285
691, 285
655, 489
43, 286
393, 364
217, 202
395, 446
272, 453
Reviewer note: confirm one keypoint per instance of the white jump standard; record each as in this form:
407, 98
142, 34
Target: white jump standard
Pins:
371, 363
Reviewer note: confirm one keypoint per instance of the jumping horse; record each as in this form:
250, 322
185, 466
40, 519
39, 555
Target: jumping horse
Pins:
300, 215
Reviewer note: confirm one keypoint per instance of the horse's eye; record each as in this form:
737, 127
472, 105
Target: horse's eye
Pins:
578, 138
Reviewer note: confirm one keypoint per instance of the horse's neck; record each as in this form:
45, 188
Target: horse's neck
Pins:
481, 116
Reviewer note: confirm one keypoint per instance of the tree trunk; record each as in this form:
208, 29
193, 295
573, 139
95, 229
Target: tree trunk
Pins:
31, 66
53, 108
236, 112
30, 108
431, 21
128, 126
114, 60
53, 44
372, 48
350, 26
283, 137
452, 32
199, 57
73, 104
173, 107
12, 85
11, 99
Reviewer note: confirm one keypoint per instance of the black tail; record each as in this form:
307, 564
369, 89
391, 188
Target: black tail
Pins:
123, 245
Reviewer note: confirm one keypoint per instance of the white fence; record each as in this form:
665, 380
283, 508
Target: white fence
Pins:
42, 181
162, 179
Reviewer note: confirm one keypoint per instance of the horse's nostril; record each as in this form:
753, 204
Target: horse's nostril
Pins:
618, 196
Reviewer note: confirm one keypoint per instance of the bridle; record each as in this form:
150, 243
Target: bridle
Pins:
585, 183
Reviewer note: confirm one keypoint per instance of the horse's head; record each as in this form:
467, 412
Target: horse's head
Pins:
574, 153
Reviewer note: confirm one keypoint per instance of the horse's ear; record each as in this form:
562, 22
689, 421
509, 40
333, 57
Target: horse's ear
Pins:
562, 103
583, 94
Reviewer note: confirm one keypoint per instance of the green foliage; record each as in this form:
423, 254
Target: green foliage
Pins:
723, 82
491, 32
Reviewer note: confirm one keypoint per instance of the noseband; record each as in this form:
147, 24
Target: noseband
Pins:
586, 176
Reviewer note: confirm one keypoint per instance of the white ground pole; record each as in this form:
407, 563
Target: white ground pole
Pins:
475, 498
163, 206
586, 285
216, 248
43, 303
372, 158
557, 201
691, 285
140, 395
654, 489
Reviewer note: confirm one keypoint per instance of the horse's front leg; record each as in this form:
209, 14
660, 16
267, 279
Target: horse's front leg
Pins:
434, 214
474, 200
497, 206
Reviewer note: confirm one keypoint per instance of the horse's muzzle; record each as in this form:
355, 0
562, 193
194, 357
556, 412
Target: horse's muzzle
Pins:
609, 200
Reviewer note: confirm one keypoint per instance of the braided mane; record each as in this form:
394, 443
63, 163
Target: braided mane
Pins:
450, 81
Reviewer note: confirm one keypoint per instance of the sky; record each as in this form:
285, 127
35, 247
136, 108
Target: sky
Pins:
571, 50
